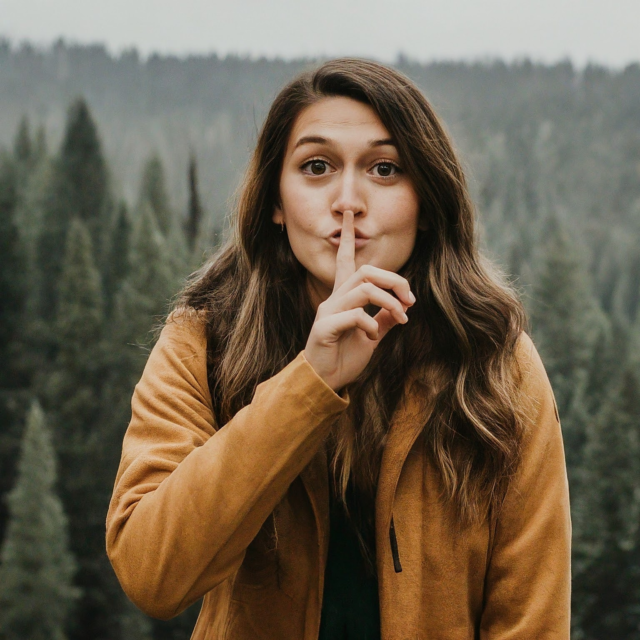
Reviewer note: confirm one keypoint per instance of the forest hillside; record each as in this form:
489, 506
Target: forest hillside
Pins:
116, 177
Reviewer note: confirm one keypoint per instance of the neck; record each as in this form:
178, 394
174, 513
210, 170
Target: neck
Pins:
318, 292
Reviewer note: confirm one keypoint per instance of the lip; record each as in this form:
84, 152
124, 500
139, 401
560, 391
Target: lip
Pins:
359, 243
360, 238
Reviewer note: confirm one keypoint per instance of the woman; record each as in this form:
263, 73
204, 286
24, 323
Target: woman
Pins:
343, 430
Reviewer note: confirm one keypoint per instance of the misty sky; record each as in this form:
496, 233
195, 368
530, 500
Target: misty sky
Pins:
601, 31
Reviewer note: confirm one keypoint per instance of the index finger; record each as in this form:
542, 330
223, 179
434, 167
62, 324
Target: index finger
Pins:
346, 256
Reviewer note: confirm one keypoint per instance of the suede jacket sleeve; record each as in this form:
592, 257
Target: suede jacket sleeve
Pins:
190, 497
528, 583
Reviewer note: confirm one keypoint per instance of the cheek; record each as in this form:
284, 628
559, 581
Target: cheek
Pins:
400, 213
302, 208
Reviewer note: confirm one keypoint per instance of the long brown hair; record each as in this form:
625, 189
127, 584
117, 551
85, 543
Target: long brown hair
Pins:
462, 331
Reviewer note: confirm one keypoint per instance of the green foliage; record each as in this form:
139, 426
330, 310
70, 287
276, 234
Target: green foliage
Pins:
72, 384
607, 520
12, 275
83, 166
22, 147
117, 264
78, 189
144, 296
72, 389
153, 194
36, 592
79, 319
14, 370
567, 325
194, 213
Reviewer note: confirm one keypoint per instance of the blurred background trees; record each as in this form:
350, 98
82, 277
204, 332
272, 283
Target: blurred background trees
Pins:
116, 175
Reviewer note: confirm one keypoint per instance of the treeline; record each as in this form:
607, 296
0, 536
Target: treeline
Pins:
85, 273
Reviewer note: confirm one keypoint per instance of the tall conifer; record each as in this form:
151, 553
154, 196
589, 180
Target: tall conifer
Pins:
117, 266
153, 193
145, 294
14, 374
607, 519
22, 146
12, 274
74, 394
567, 323
36, 591
194, 214
83, 165
78, 189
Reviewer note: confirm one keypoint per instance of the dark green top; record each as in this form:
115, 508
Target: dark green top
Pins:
350, 606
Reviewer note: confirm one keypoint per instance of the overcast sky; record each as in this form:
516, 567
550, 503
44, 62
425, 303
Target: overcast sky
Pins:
602, 31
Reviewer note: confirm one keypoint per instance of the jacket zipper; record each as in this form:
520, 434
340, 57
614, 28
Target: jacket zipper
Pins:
394, 547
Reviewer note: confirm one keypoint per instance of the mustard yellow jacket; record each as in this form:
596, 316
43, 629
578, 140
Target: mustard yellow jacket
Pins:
240, 514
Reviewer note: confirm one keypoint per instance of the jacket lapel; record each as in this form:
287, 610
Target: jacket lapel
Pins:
406, 426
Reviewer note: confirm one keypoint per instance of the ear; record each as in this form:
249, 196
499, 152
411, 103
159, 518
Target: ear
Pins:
278, 215
422, 222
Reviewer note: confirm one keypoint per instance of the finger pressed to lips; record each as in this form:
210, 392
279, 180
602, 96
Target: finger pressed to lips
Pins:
346, 275
346, 256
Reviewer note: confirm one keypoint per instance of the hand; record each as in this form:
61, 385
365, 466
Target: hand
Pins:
343, 336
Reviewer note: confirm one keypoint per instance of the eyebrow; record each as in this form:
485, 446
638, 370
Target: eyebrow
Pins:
320, 140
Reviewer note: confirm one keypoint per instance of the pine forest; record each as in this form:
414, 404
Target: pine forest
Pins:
117, 177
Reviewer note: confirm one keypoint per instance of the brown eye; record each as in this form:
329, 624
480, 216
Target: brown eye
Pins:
318, 167
386, 169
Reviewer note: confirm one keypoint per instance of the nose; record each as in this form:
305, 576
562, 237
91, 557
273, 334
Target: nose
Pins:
349, 195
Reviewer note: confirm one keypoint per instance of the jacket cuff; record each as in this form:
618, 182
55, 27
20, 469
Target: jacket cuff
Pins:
318, 390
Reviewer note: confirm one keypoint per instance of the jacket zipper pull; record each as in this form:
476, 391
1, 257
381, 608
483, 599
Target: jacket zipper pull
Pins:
394, 547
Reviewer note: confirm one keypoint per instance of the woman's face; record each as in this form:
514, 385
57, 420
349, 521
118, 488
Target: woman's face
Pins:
341, 157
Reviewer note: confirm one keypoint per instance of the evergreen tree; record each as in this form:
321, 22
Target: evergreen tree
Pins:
73, 389
145, 294
117, 266
83, 165
40, 146
78, 189
606, 564
22, 146
79, 318
153, 194
14, 375
194, 216
89, 426
567, 324
36, 593
12, 276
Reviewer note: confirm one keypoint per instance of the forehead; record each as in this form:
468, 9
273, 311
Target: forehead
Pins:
336, 117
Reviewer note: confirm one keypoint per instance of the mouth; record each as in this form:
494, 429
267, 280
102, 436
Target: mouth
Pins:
361, 239
358, 234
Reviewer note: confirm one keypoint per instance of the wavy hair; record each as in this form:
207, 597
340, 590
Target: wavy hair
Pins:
463, 329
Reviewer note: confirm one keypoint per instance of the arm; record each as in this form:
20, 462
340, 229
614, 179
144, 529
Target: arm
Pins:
528, 582
188, 498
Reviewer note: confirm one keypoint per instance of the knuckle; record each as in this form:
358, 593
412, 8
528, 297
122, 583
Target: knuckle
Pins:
323, 309
368, 288
366, 270
320, 325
